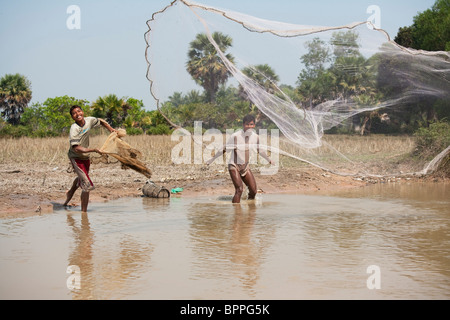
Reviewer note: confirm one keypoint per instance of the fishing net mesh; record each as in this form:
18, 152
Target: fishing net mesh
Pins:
327, 78
114, 149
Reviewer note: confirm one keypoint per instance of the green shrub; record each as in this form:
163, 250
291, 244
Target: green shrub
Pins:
432, 140
160, 129
132, 131
15, 131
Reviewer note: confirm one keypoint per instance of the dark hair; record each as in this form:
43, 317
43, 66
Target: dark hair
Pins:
248, 118
74, 107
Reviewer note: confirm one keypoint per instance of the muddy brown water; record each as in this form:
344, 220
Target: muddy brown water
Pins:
387, 241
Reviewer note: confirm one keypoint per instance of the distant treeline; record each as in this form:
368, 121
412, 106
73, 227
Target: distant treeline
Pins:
221, 106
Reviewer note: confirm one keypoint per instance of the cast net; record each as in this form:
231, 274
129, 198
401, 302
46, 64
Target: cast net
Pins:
312, 83
114, 150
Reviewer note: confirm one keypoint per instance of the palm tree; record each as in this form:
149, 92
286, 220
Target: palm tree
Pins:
176, 99
206, 66
15, 94
265, 77
112, 108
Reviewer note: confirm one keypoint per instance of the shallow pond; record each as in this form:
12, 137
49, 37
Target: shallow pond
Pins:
387, 241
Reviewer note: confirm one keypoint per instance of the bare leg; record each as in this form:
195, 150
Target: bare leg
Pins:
238, 185
250, 181
71, 192
84, 201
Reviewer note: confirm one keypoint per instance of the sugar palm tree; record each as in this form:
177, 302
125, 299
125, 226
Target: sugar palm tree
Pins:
15, 94
112, 108
206, 66
265, 77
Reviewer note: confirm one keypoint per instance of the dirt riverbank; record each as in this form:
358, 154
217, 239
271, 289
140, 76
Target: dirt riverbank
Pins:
33, 189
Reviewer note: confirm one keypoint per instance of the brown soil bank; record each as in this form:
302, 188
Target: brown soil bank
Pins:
37, 188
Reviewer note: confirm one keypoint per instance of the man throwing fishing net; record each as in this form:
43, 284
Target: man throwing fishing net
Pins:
78, 153
241, 144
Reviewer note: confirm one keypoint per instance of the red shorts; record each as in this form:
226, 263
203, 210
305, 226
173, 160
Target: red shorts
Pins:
81, 168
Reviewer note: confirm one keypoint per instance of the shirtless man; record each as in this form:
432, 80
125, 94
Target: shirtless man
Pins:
241, 143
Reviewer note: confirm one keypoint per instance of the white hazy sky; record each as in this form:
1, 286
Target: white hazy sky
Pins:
107, 55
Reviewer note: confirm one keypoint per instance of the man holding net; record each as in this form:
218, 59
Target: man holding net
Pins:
242, 143
79, 147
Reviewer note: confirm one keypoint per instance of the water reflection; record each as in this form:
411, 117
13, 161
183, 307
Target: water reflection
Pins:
229, 242
156, 204
81, 255
283, 247
107, 270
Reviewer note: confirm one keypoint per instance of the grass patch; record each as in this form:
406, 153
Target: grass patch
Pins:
381, 153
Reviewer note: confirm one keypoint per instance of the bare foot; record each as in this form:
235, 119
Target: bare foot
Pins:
72, 204
69, 195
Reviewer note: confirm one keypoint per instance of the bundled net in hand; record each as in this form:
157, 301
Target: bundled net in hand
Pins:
326, 78
118, 149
